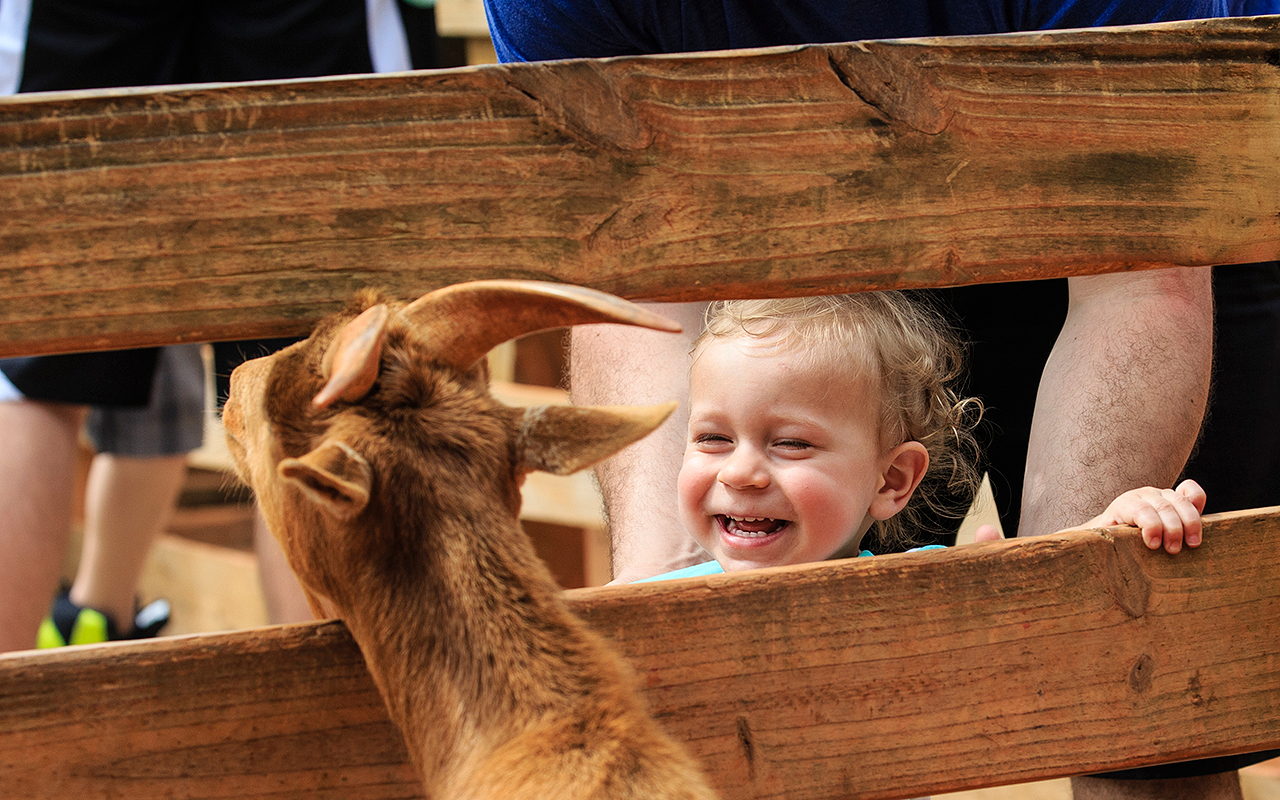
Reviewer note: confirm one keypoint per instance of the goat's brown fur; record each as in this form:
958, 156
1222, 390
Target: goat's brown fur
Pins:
398, 510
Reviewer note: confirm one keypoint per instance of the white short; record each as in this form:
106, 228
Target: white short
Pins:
8, 392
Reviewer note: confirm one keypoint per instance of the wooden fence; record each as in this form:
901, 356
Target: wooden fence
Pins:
198, 213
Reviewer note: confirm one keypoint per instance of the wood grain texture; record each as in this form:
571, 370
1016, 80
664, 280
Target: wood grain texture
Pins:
874, 678
133, 217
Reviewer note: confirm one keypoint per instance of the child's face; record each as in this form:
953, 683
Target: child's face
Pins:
783, 461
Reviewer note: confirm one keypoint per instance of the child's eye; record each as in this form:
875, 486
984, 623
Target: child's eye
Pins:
792, 444
710, 438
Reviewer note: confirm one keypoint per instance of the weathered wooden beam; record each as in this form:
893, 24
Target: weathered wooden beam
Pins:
199, 213
873, 678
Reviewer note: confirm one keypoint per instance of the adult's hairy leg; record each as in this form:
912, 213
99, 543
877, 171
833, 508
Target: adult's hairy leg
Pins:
1122, 396
620, 365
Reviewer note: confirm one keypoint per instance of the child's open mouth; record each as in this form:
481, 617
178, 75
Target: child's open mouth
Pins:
751, 527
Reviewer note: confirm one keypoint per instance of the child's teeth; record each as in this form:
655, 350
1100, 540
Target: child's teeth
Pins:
753, 526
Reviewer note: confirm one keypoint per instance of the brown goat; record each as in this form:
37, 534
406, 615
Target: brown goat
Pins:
391, 478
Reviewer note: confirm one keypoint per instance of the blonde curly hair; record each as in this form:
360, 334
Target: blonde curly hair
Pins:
908, 352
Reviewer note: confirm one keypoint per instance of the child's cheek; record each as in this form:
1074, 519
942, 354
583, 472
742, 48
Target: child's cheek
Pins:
831, 513
691, 489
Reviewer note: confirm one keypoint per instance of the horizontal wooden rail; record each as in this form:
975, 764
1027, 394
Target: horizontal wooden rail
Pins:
873, 678
134, 217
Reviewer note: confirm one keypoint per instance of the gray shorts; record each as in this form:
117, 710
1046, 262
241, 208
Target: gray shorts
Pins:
173, 424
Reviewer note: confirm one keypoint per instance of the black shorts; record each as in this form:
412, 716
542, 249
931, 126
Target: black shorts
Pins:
116, 378
91, 44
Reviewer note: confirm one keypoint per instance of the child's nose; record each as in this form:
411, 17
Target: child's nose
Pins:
744, 469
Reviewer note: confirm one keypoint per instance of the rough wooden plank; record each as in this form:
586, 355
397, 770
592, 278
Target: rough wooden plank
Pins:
200, 213
875, 678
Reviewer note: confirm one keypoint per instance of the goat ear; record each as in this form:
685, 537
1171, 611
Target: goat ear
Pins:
333, 476
565, 439
350, 365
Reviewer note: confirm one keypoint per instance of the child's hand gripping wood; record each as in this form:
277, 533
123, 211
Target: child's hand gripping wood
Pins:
391, 478
1166, 517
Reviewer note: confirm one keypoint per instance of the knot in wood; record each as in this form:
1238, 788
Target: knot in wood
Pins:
1123, 576
1142, 673
884, 76
585, 101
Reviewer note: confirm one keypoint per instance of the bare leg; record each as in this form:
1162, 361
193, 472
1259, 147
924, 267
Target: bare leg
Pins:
1223, 786
38, 443
285, 599
128, 502
617, 365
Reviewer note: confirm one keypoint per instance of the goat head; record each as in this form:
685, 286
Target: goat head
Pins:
391, 478
384, 391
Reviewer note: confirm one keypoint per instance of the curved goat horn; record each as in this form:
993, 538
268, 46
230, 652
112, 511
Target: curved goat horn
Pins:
350, 365
465, 321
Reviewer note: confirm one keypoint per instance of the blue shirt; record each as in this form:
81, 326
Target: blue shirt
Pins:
1250, 8
539, 30
714, 568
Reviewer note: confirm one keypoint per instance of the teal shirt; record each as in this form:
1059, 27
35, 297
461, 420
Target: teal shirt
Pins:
714, 568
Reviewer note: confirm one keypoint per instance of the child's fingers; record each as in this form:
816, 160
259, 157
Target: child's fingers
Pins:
1138, 507
1190, 500
1158, 529
1194, 493
1170, 519
987, 533
1187, 505
1167, 518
